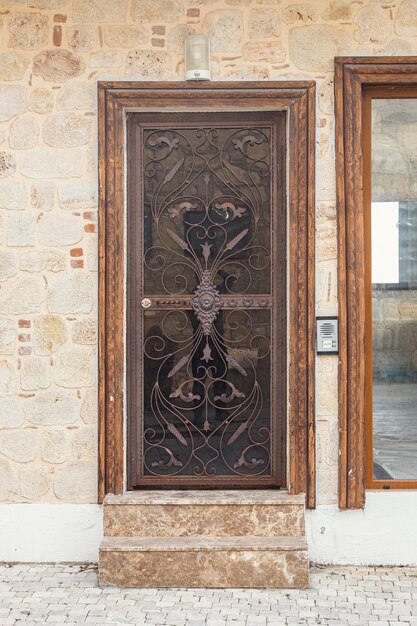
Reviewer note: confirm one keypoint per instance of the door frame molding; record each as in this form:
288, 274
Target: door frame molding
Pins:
114, 99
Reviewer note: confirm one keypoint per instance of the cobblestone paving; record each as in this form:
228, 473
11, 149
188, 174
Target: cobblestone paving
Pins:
69, 594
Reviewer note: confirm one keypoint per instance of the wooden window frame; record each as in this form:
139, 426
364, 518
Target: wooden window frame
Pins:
353, 76
114, 99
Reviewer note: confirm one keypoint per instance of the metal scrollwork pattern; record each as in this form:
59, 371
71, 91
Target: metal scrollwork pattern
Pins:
207, 272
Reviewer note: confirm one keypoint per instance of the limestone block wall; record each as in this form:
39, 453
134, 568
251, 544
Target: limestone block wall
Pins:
52, 53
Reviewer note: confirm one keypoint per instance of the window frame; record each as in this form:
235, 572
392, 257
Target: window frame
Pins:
353, 77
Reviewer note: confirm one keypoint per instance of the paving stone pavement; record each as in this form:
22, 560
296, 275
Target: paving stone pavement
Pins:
34, 594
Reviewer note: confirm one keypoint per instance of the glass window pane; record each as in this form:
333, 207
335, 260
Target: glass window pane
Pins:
394, 288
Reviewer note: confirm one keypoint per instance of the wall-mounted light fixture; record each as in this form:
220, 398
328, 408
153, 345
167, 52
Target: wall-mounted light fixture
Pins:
197, 58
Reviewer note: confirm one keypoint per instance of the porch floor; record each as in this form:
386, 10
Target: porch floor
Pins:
69, 594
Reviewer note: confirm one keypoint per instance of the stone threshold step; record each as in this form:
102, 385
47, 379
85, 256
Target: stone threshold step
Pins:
209, 513
204, 562
201, 497
199, 544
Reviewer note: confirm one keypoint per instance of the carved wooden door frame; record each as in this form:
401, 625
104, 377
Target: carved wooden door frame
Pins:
114, 100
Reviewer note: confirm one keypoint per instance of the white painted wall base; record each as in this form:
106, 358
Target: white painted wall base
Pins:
383, 533
50, 532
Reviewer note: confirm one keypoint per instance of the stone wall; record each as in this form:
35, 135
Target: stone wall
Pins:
52, 52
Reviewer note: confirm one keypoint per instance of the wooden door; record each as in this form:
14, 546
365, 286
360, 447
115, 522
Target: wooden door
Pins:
206, 299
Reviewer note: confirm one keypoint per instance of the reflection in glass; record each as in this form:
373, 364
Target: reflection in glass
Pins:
394, 288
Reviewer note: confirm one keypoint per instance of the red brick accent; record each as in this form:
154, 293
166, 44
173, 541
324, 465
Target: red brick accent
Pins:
77, 263
90, 215
76, 252
25, 350
57, 36
158, 30
159, 43
193, 13
60, 18
90, 228
24, 337
24, 323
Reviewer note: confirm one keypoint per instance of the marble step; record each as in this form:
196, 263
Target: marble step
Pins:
266, 513
210, 562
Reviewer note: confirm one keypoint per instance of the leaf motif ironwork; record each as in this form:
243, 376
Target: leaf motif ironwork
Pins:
206, 192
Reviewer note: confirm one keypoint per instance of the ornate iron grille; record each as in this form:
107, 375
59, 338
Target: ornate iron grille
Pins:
207, 289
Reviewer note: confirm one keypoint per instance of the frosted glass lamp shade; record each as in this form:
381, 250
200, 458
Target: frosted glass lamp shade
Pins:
197, 58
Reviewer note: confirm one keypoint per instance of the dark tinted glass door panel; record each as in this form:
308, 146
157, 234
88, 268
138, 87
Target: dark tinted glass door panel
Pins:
206, 299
